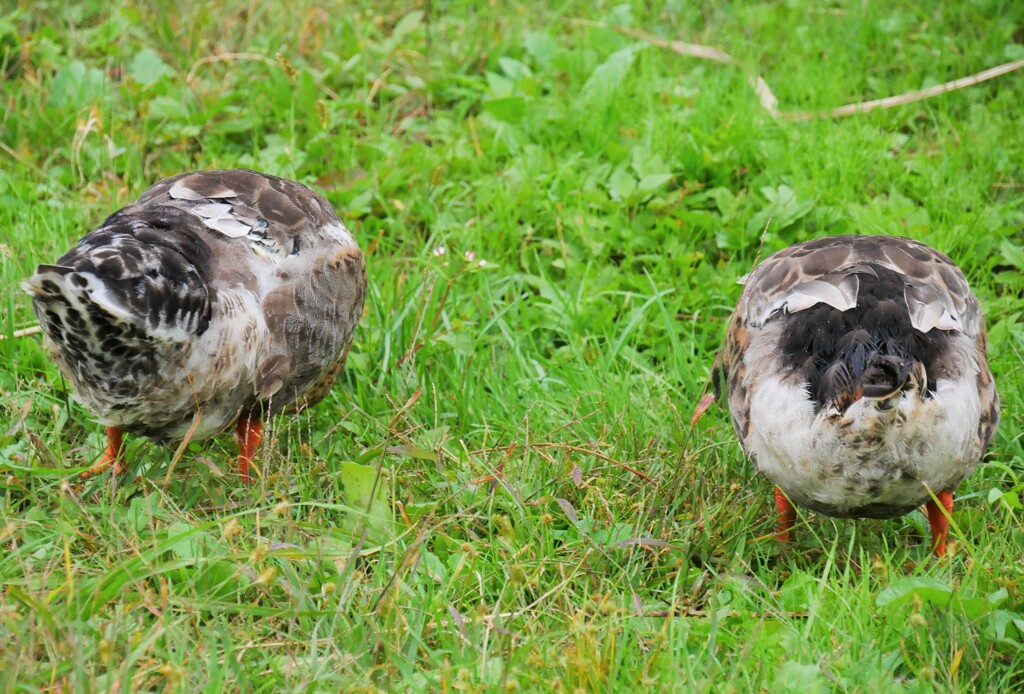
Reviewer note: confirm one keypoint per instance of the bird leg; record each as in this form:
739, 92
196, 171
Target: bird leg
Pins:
249, 431
787, 516
938, 518
112, 456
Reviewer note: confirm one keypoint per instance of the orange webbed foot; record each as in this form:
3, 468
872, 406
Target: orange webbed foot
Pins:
113, 456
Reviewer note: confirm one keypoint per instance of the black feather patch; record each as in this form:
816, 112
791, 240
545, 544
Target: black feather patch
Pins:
156, 264
869, 350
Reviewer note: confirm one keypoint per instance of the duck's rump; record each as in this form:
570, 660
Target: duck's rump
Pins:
138, 379
876, 458
879, 485
839, 477
127, 315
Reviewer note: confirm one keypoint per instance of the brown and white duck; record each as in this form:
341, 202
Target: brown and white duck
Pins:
217, 297
857, 379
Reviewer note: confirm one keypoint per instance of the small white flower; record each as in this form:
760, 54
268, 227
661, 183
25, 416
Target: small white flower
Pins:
470, 256
439, 251
482, 263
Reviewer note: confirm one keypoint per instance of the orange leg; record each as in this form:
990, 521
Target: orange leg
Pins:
112, 456
787, 516
938, 518
250, 431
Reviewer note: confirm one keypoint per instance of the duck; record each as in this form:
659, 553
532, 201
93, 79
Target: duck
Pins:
219, 297
856, 374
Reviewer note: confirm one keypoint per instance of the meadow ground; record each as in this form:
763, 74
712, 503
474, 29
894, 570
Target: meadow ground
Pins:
555, 215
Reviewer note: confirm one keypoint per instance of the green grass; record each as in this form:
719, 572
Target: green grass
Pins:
547, 517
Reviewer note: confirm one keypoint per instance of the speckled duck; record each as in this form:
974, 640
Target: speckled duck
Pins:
857, 379
218, 297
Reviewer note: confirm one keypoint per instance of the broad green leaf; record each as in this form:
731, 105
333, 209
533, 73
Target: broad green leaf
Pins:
797, 591
1013, 51
143, 509
168, 108
1008, 627
541, 46
652, 183
1012, 253
799, 677
606, 78
611, 534
365, 491
76, 85
783, 209
510, 109
185, 541
499, 86
434, 567
407, 24
414, 452
647, 163
147, 67
929, 590
514, 69
622, 185
461, 343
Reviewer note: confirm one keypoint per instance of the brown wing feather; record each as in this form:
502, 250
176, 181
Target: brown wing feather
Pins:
933, 279
313, 323
290, 208
989, 396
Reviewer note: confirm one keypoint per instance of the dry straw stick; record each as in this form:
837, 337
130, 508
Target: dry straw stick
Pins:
24, 332
906, 97
770, 102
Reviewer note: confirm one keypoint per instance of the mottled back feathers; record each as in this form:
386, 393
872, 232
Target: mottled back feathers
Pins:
934, 288
217, 293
